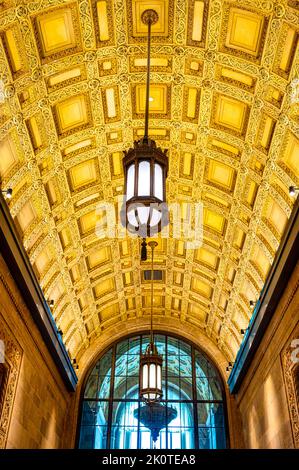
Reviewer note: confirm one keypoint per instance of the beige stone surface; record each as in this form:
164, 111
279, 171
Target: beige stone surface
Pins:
38, 407
263, 397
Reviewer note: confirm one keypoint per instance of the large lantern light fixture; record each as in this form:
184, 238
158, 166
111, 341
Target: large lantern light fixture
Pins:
151, 362
145, 169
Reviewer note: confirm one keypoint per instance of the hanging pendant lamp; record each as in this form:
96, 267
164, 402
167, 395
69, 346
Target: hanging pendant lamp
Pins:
151, 362
154, 414
145, 169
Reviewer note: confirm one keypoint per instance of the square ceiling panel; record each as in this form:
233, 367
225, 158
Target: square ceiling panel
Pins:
84, 174
260, 261
88, 222
230, 114
214, 221
159, 104
26, 216
275, 216
244, 31
44, 259
221, 175
58, 33
104, 287
200, 287
9, 158
206, 257
290, 157
72, 114
99, 258
158, 29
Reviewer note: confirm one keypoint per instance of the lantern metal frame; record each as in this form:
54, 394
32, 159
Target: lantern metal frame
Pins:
151, 357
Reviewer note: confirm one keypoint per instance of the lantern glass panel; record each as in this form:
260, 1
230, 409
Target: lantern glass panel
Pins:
158, 191
152, 377
159, 380
155, 218
145, 376
132, 217
130, 181
143, 215
144, 178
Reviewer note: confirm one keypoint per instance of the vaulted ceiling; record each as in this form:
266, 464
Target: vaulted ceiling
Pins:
225, 105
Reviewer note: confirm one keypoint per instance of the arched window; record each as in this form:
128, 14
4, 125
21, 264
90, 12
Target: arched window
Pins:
191, 385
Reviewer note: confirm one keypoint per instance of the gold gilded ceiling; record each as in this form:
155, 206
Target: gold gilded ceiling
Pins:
225, 102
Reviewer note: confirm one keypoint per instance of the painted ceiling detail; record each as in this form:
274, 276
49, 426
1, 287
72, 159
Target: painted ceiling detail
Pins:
72, 99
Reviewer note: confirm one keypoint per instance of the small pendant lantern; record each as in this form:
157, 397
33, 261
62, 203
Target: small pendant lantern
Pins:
151, 361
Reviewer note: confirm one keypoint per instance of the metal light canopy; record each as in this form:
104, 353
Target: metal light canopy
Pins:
145, 168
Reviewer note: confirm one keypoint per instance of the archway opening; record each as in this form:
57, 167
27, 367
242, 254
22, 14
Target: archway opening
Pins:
191, 385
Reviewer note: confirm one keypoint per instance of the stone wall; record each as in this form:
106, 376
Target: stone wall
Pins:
267, 399
34, 400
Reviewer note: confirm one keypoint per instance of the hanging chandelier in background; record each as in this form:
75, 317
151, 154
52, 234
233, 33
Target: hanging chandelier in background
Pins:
154, 415
151, 362
145, 169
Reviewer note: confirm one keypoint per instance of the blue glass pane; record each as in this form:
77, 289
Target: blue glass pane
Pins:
145, 342
134, 345
122, 347
179, 388
124, 437
123, 414
89, 413
180, 438
173, 389
185, 348
212, 372
104, 387
185, 367
160, 343
201, 365
210, 414
173, 365
215, 389
202, 389
103, 367
211, 438
94, 412
186, 388
100, 437
87, 437
121, 364
91, 388
133, 365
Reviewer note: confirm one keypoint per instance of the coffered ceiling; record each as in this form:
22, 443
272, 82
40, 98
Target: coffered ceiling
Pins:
225, 103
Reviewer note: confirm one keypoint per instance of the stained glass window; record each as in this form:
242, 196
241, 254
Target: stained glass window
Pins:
191, 385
